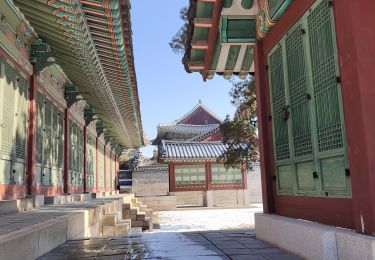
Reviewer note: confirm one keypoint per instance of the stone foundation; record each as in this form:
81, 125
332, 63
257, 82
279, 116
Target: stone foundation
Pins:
312, 240
159, 203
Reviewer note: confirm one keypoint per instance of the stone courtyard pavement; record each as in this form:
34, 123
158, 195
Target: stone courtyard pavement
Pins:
184, 234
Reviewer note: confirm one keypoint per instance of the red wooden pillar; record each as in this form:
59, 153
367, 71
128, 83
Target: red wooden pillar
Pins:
85, 158
110, 170
171, 177
265, 136
96, 164
105, 167
208, 176
66, 150
355, 41
31, 136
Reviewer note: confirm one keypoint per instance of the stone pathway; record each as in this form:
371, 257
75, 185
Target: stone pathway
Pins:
236, 245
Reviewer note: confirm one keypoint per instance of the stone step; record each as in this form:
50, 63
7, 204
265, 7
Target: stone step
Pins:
110, 219
108, 231
141, 216
126, 206
131, 211
137, 223
147, 224
122, 228
135, 231
134, 200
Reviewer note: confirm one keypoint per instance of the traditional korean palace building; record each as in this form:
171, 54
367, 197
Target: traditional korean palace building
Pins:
68, 95
191, 146
313, 62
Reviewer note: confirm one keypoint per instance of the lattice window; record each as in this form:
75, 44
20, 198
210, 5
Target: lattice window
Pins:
190, 174
278, 105
222, 175
308, 125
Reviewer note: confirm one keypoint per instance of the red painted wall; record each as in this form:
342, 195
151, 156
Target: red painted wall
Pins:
355, 32
355, 36
214, 137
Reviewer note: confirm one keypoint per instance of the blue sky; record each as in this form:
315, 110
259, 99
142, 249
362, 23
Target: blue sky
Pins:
166, 91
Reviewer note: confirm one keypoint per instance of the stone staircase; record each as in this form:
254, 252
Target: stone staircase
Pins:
133, 216
138, 214
113, 225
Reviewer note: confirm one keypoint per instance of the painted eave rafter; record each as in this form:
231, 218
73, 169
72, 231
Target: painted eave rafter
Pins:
213, 53
63, 24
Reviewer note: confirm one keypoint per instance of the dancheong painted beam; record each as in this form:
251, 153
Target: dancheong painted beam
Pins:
221, 35
91, 41
68, 95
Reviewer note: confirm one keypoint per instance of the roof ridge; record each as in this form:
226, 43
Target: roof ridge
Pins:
200, 104
190, 142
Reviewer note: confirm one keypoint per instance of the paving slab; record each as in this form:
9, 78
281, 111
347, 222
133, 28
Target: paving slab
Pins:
172, 245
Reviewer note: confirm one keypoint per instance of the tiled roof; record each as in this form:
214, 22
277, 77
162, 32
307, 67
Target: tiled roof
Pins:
193, 129
205, 134
177, 150
182, 131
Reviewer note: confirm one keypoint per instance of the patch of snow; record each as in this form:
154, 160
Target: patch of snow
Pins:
207, 219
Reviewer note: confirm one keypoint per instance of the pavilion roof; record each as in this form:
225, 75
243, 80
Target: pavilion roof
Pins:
91, 41
183, 131
180, 150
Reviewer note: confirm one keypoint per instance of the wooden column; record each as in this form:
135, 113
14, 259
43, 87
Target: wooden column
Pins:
96, 164
85, 158
105, 168
110, 169
31, 136
355, 41
66, 150
265, 136
171, 177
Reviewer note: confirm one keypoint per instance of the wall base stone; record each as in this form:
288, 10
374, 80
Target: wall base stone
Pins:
312, 240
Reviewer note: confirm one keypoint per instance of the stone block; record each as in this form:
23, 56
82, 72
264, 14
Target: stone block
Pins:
140, 217
137, 223
208, 198
109, 219
77, 197
351, 245
108, 231
52, 236
20, 245
38, 201
306, 239
8, 206
76, 225
126, 206
122, 228
131, 217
